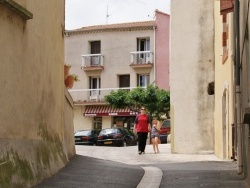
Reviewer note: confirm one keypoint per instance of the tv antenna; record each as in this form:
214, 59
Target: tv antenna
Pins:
107, 15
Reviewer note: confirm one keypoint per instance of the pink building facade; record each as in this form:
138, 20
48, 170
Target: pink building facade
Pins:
162, 50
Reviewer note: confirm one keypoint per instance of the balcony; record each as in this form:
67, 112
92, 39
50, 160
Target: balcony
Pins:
91, 62
142, 59
92, 96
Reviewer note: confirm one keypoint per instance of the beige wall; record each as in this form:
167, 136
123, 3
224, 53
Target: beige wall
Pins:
32, 94
117, 61
68, 141
224, 89
191, 70
116, 56
80, 122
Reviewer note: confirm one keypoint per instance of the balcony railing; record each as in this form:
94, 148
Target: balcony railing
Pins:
85, 96
92, 61
141, 58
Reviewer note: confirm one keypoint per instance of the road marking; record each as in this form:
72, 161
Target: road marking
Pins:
152, 178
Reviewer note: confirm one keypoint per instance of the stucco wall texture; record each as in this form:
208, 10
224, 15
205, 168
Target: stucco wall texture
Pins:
117, 56
191, 69
32, 94
162, 50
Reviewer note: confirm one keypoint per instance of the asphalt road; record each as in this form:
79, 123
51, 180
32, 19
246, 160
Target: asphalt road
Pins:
112, 167
210, 174
87, 172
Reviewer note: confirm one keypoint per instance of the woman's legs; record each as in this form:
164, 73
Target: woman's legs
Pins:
156, 144
140, 141
153, 142
144, 140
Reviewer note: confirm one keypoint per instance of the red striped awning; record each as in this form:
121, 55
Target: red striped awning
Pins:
102, 110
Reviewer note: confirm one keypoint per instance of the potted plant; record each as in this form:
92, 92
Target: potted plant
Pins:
76, 79
69, 82
66, 70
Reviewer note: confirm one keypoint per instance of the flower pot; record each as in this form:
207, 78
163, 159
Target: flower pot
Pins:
66, 71
69, 82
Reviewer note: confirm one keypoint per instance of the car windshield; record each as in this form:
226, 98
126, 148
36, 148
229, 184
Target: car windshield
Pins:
108, 131
166, 124
82, 133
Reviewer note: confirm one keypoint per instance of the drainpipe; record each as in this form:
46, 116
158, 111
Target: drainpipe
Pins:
154, 57
237, 89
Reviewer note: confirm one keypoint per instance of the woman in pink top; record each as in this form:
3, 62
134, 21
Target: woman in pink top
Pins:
142, 127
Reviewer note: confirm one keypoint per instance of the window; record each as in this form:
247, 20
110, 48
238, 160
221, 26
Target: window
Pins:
95, 83
143, 80
143, 45
124, 81
95, 49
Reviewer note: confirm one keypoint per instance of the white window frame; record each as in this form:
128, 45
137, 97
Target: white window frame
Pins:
144, 79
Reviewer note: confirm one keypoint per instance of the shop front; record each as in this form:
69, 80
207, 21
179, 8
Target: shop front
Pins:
106, 116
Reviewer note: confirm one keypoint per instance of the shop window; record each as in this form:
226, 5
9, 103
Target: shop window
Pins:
98, 123
124, 121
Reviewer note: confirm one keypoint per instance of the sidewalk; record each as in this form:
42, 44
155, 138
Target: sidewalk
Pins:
129, 155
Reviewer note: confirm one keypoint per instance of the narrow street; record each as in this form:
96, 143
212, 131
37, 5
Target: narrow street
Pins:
120, 167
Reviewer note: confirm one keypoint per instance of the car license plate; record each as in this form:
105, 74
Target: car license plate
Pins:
77, 138
108, 142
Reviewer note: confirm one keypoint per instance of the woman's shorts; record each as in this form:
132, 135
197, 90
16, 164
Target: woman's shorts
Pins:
153, 135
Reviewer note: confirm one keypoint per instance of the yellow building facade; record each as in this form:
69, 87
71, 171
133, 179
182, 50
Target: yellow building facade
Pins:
224, 84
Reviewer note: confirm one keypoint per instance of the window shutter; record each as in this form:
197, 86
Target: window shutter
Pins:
226, 6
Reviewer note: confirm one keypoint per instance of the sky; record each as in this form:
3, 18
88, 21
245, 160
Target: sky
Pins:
82, 13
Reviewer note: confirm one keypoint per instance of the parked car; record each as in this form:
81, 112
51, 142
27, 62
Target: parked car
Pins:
86, 137
116, 136
165, 131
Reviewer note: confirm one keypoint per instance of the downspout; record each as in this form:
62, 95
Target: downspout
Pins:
237, 87
154, 57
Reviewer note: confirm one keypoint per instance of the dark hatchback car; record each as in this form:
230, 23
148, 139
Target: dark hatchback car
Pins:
86, 137
116, 136
165, 131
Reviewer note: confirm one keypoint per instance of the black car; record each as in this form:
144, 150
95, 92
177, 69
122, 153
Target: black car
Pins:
116, 136
86, 137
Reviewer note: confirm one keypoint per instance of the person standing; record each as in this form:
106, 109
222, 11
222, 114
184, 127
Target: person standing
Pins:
142, 127
155, 134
